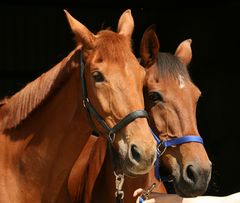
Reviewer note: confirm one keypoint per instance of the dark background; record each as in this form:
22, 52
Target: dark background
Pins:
35, 36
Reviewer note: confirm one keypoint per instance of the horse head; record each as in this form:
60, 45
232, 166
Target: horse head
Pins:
171, 100
112, 82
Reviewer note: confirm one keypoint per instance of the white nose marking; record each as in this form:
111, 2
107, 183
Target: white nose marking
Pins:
181, 81
123, 148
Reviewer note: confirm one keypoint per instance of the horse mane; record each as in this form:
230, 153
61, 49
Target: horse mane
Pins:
17, 108
170, 66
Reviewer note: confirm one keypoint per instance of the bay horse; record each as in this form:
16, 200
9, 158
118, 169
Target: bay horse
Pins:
45, 125
170, 98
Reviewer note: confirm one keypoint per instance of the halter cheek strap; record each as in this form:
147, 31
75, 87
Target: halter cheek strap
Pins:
170, 143
166, 144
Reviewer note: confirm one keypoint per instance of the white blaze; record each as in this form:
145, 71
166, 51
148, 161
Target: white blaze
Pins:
181, 81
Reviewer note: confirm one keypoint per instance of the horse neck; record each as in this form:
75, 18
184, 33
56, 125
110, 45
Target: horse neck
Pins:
38, 154
104, 187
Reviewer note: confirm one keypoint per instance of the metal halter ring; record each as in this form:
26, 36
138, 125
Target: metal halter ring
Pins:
160, 153
84, 102
111, 137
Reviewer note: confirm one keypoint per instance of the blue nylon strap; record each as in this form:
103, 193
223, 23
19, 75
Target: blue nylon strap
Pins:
170, 143
177, 141
157, 168
156, 137
157, 171
181, 140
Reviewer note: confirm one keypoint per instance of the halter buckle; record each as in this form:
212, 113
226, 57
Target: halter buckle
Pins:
111, 137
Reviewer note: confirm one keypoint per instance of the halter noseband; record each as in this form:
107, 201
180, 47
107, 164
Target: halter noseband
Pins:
166, 144
91, 111
169, 143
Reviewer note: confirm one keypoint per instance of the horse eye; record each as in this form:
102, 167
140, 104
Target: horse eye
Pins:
155, 97
98, 76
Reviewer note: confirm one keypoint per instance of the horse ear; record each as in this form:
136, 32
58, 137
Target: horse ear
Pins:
184, 51
149, 46
126, 24
83, 36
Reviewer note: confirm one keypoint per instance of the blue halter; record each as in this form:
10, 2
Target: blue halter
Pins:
170, 143
166, 144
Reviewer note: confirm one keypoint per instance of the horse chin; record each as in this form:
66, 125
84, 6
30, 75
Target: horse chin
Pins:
133, 171
122, 164
186, 188
185, 191
127, 168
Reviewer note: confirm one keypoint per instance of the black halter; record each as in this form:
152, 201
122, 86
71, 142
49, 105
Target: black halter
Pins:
92, 112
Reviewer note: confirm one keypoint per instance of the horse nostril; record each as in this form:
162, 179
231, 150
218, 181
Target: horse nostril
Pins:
191, 174
135, 153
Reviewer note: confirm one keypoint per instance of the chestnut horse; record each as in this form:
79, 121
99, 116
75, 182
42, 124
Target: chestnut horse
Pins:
171, 99
45, 126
